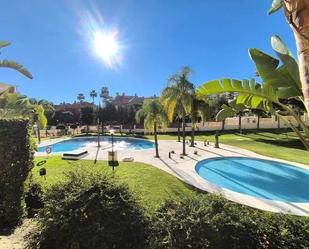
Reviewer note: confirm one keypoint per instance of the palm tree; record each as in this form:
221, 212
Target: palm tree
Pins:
177, 97
154, 116
200, 109
80, 97
93, 94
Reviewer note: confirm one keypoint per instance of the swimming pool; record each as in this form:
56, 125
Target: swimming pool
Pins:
263, 179
120, 143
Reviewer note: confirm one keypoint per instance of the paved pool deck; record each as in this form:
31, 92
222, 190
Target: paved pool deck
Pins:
184, 169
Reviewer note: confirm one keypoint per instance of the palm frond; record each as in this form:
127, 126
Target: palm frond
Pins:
16, 66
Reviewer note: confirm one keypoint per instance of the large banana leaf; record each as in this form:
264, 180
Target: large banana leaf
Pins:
4, 44
250, 92
286, 56
225, 112
275, 76
16, 66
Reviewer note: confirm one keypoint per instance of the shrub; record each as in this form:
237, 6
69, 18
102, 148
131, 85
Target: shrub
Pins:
213, 222
33, 199
90, 211
15, 163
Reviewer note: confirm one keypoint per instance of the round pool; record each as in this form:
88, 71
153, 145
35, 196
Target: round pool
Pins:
260, 178
120, 143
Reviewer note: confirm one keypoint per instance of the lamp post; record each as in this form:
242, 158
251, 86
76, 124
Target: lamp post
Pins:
98, 128
113, 161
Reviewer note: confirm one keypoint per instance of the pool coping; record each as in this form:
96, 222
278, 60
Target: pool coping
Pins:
184, 169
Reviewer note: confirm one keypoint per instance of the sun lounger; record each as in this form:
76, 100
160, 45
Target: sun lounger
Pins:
75, 155
128, 159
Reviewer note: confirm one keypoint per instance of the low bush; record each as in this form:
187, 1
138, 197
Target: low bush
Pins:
213, 222
90, 211
33, 199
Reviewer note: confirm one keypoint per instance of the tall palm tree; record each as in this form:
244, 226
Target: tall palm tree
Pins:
200, 109
154, 116
93, 94
177, 97
80, 97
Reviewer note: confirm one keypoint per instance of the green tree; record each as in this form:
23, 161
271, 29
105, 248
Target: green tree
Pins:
104, 95
177, 97
80, 97
93, 94
199, 110
87, 116
154, 116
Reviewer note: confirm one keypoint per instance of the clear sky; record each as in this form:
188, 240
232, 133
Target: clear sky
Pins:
52, 38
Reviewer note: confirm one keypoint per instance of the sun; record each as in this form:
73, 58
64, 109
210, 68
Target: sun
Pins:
106, 46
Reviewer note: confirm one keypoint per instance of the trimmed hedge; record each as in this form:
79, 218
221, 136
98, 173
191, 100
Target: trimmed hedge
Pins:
16, 161
213, 222
90, 211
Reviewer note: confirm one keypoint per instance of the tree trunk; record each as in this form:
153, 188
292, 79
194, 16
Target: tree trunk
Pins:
297, 15
223, 124
156, 139
39, 134
183, 136
258, 121
239, 123
178, 129
192, 134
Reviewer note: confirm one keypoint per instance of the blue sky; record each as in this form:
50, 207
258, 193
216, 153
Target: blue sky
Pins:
158, 37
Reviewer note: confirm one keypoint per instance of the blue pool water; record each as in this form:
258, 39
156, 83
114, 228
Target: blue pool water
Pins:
120, 143
263, 179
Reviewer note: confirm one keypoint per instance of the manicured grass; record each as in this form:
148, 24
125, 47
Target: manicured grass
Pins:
280, 144
150, 185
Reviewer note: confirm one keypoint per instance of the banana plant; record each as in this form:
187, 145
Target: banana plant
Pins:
233, 108
280, 81
296, 13
13, 64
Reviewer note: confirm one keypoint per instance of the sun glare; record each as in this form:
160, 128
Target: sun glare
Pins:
106, 47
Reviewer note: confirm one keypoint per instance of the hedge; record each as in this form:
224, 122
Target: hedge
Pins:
16, 161
90, 211
210, 221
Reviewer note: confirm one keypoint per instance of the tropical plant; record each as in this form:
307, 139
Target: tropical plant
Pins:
12, 64
154, 116
280, 82
231, 109
104, 95
87, 116
80, 97
177, 99
93, 94
199, 110
297, 15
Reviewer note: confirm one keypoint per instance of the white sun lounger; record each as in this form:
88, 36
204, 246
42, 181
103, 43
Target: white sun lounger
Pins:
128, 159
75, 155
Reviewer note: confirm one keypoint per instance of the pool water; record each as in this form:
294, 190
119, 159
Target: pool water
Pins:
120, 143
263, 179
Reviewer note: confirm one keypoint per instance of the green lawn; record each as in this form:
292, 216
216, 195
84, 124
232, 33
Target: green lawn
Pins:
152, 186
282, 145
